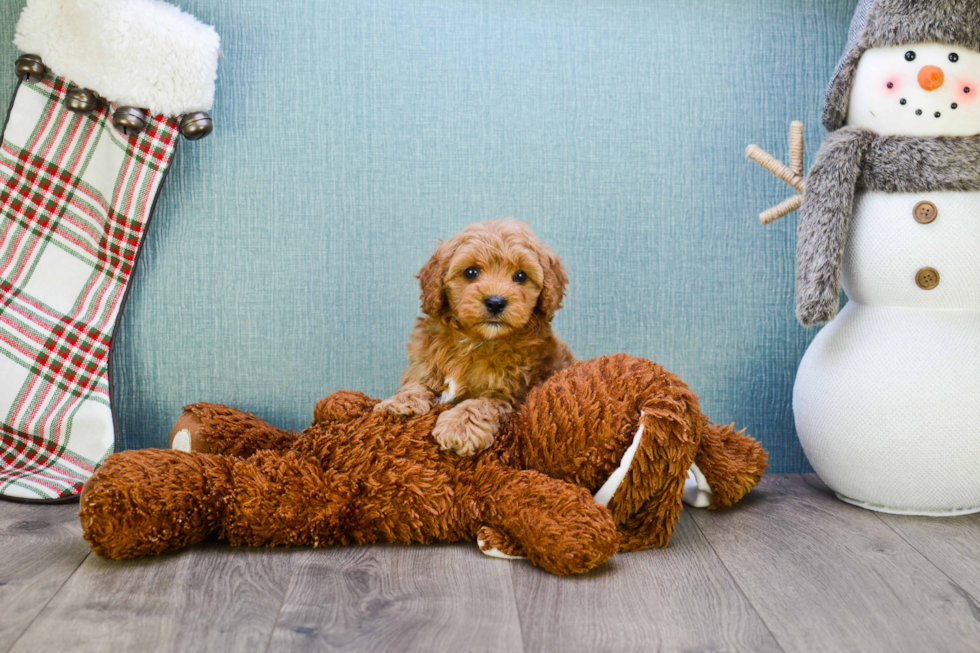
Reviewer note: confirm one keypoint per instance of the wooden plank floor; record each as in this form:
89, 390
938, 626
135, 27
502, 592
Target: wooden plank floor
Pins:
789, 569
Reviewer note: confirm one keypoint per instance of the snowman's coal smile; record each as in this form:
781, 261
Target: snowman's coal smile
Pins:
938, 114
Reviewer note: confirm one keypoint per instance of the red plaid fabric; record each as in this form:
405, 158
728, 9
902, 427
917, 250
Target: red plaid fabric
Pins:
75, 199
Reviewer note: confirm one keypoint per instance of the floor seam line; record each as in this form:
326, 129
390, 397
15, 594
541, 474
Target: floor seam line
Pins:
738, 586
282, 602
48, 602
925, 557
517, 609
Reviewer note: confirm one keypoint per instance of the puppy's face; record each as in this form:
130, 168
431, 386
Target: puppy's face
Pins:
493, 279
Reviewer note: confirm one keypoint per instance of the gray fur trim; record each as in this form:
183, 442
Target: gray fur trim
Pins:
825, 217
883, 23
855, 159
911, 165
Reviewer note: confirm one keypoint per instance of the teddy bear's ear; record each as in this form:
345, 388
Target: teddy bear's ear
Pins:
431, 279
647, 503
555, 281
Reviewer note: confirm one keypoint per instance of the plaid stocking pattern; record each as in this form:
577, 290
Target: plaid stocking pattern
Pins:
75, 200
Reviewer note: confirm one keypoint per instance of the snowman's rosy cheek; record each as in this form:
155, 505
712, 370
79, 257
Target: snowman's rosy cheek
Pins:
966, 90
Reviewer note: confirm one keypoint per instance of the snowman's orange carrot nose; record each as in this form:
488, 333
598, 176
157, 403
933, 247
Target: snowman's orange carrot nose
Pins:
931, 77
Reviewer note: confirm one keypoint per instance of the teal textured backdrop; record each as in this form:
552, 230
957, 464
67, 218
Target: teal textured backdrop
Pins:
352, 134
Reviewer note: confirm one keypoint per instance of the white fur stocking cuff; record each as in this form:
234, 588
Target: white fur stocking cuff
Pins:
139, 53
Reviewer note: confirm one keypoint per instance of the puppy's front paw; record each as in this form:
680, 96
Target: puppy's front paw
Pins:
408, 402
469, 428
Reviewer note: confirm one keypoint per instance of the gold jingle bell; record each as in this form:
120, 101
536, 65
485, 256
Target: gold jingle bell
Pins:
29, 68
129, 121
81, 100
197, 125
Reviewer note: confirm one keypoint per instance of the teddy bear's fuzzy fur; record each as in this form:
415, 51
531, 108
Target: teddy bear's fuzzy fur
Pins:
357, 475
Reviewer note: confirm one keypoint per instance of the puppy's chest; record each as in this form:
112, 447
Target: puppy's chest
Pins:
494, 377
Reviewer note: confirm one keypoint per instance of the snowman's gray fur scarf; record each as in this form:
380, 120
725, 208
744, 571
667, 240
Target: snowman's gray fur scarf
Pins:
854, 159
883, 23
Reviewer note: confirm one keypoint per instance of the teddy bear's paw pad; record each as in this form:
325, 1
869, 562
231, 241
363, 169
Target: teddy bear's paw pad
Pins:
181, 441
497, 545
496, 553
697, 492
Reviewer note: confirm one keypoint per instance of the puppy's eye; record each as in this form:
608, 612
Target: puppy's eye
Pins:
520, 276
910, 56
954, 57
471, 273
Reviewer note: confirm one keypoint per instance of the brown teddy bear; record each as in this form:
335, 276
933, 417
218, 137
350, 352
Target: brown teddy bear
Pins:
620, 426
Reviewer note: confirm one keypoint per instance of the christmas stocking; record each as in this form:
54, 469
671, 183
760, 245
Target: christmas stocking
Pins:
107, 87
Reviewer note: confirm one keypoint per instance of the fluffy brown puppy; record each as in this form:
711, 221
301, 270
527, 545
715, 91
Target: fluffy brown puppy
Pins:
489, 295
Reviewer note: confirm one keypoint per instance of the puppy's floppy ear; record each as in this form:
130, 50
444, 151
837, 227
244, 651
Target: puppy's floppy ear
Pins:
555, 281
431, 279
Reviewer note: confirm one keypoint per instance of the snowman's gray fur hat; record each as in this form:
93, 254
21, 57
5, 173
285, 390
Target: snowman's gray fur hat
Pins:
883, 23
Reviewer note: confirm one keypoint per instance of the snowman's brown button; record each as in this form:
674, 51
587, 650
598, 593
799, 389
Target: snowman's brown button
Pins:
925, 212
927, 278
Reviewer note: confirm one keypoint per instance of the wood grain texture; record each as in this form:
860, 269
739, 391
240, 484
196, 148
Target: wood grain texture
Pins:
391, 598
206, 598
789, 568
826, 576
678, 598
952, 545
40, 548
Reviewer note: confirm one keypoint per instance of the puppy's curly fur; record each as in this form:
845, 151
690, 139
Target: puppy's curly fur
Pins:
488, 295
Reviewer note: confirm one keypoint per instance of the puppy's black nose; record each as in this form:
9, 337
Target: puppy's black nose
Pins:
495, 305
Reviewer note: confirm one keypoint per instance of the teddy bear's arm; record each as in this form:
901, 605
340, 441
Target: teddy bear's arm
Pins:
213, 428
556, 525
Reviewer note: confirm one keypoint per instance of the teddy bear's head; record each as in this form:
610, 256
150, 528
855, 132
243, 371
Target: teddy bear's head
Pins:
618, 424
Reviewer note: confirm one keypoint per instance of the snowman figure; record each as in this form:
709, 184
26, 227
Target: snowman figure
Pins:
887, 398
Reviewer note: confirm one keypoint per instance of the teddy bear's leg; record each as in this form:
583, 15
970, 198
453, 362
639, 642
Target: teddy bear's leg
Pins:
213, 428
290, 499
147, 502
731, 462
556, 525
287, 499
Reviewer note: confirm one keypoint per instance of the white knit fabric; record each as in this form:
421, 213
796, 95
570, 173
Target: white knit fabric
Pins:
886, 247
887, 397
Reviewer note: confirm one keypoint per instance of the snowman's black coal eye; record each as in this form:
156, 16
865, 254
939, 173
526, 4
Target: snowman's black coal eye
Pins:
891, 85
471, 273
910, 56
954, 57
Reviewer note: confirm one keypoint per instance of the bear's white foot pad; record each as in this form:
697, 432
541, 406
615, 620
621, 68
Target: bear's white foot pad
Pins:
496, 553
697, 492
182, 440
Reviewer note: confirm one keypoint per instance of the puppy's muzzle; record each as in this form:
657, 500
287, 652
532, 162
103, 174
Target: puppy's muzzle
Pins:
495, 305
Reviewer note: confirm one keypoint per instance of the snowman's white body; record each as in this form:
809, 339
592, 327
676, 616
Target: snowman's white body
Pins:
887, 398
